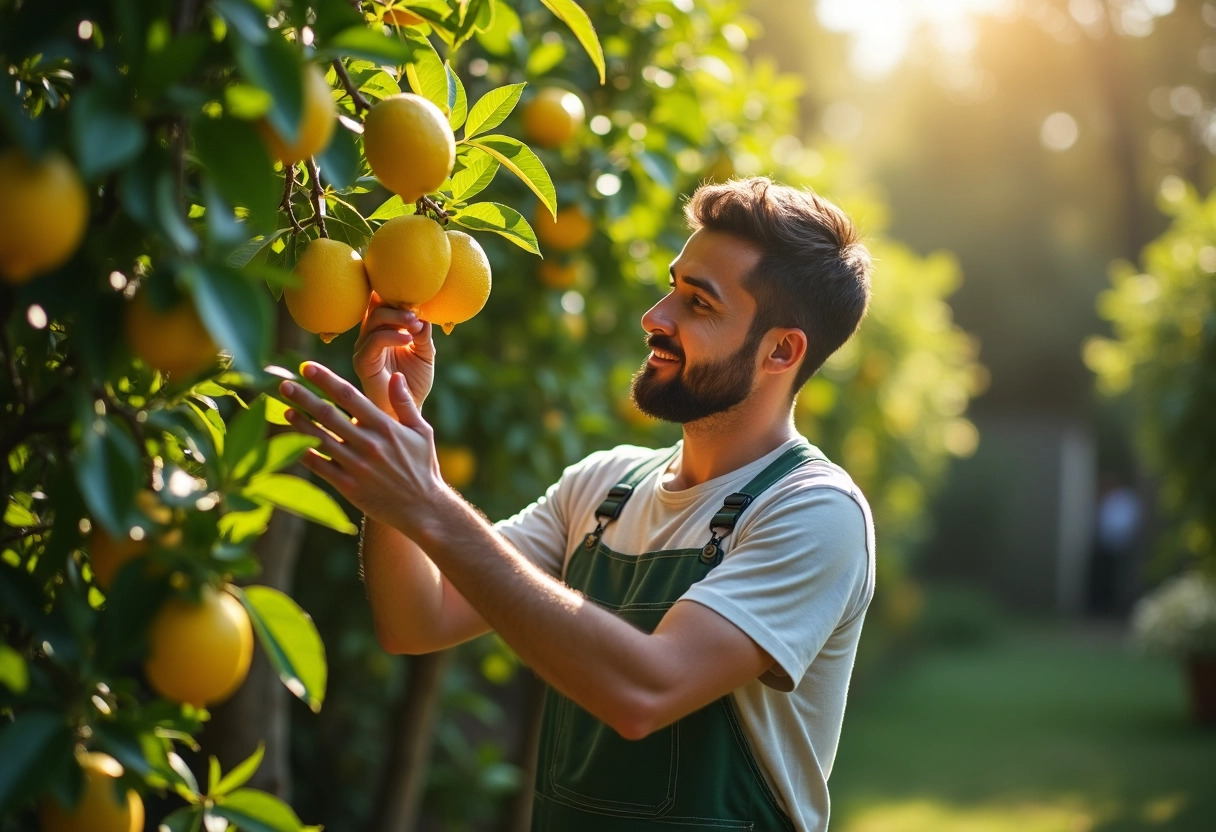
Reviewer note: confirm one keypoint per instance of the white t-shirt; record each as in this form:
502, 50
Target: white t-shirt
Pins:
797, 576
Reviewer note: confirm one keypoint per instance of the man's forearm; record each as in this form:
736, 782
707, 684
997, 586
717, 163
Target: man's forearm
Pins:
407, 593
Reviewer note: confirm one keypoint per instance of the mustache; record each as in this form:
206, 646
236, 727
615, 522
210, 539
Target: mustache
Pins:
665, 343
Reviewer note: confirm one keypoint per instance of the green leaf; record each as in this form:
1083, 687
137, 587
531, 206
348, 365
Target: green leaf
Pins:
492, 109
248, 20
518, 158
105, 136
239, 775
291, 641
275, 67
345, 223
276, 411
257, 811
107, 468
185, 819
17, 515
339, 161
27, 744
394, 206
428, 76
241, 256
299, 497
246, 433
275, 455
501, 220
478, 171
237, 527
13, 671
458, 101
573, 16
244, 178
235, 311
363, 42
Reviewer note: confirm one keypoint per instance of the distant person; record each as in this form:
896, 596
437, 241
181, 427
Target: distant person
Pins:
1117, 529
704, 686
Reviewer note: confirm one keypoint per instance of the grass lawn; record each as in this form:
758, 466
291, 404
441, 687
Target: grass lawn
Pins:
1046, 729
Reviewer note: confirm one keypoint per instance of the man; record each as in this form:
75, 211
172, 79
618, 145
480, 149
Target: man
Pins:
695, 611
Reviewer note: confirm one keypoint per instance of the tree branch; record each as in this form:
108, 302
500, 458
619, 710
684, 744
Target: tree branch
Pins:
351, 89
425, 203
289, 185
318, 197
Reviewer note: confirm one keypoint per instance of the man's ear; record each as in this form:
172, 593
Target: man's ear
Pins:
788, 348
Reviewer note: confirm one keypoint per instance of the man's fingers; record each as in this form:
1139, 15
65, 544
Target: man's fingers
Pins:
403, 402
340, 391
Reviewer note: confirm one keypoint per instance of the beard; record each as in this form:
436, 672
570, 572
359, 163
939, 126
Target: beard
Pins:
697, 391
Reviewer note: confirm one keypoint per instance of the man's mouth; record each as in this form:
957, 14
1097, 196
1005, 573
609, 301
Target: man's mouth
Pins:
658, 355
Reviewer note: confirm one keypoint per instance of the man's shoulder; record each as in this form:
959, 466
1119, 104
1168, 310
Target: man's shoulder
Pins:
613, 463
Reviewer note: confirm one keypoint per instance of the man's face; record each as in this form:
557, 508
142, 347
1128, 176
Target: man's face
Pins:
703, 353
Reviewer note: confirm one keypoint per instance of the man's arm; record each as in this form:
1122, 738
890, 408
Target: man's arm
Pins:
415, 609
634, 681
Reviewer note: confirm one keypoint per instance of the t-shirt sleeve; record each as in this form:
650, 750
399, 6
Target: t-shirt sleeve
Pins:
542, 532
799, 570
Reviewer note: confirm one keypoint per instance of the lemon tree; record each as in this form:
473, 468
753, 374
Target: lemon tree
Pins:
178, 177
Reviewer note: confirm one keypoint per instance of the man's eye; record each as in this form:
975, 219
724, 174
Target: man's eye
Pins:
696, 301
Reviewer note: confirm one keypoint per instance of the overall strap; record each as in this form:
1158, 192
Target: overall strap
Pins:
619, 494
724, 521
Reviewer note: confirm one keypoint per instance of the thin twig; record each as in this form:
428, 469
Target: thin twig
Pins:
318, 196
23, 533
434, 207
289, 185
355, 95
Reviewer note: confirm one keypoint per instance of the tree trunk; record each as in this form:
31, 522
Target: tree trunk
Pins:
519, 818
412, 737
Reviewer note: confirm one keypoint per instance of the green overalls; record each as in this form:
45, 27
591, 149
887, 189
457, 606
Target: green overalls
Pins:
698, 773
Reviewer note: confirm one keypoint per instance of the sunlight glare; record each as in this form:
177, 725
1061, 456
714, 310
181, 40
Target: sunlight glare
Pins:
882, 30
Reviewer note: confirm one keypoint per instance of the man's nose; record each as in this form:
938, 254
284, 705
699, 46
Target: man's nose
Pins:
657, 319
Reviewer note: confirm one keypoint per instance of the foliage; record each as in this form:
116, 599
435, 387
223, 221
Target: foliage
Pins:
1178, 618
1162, 356
158, 105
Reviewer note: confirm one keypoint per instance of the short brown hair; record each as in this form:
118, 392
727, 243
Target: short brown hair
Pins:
813, 272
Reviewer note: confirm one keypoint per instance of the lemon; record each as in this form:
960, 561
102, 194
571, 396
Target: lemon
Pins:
107, 554
553, 116
43, 214
557, 275
101, 807
317, 121
465, 289
333, 291
409, 145
199, 652
457, 464
172, 340
407, 260
572, 229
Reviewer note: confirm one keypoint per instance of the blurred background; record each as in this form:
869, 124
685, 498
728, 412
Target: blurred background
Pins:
1028, 406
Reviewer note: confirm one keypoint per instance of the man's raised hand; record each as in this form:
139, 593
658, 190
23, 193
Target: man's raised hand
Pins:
391, 341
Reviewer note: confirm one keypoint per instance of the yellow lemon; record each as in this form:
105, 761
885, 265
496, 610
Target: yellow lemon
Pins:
457, 464
407, 260
172, 340
553, 116
199, 652
558, 275
107, 554
102, 808
409, 145
333, 291
317, 121
572, 229
44, 212
466, 288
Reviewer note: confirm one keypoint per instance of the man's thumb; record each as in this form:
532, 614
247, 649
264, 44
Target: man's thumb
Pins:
401, 400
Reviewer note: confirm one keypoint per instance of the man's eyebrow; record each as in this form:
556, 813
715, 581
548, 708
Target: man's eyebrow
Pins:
700, 282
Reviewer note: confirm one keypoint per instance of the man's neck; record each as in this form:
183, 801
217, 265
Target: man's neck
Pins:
727, 441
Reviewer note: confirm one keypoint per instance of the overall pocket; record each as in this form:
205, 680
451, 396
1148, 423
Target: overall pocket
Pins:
594, 767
